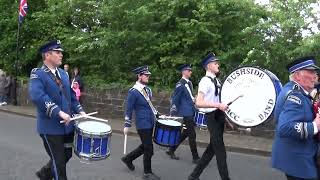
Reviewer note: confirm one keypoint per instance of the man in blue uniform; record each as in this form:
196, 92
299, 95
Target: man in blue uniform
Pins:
183, 105
139, 100
294, 148
208, 101
50, 91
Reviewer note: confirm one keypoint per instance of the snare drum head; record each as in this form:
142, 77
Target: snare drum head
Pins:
258, 100
169, 122
94, 127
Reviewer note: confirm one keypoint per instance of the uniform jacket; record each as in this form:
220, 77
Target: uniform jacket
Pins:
136, 102
50, 98
294, 147
182, 100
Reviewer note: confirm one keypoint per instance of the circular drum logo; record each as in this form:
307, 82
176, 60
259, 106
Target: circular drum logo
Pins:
258, 96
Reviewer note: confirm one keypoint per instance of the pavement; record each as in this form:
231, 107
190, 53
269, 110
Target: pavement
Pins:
22, 154
241, 142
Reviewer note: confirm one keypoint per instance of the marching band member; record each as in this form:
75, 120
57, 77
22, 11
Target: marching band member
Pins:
183, 105
51, 92
139, 100
208, 101
294, 148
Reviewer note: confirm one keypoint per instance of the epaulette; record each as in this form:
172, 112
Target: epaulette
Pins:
178, 84
33, 74
35, 69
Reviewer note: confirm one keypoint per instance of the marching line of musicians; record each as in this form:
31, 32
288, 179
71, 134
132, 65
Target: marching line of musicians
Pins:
294, 150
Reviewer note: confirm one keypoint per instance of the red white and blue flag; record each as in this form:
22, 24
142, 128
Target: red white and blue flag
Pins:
22, 10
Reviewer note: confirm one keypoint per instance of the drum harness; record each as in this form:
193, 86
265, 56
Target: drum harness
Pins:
217, 92
217, 87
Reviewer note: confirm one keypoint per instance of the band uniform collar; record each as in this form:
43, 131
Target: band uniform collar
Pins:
210, 74
139, 85
53, 70
305, 91
186, 79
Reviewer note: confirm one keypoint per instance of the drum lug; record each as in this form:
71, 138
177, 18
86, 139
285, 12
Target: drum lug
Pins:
91, 145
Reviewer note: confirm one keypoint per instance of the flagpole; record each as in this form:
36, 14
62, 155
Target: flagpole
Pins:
17, 50
16, 65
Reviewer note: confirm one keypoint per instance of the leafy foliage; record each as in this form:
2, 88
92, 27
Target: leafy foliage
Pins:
106, 39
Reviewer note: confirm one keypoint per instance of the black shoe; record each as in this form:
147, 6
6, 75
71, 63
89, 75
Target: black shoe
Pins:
172, 155
43, 176
192, 178
196, 160
128, 163
150, 176
45, 173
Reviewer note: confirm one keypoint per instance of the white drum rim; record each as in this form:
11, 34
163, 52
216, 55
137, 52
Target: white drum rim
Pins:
108, 130
265, 71
177, 124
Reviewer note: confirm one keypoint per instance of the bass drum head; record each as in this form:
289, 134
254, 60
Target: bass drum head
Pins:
258, 96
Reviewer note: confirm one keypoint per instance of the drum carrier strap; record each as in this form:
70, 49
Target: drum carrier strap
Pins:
215, 82
58, 81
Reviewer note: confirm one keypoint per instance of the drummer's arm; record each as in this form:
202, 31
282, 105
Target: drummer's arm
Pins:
129, 109
175, 100
201, 103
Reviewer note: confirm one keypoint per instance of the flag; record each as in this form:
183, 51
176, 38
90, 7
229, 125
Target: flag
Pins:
22, 10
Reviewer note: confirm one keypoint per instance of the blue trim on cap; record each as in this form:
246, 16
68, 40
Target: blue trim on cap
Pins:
185, 67
54, 45
212, 59
209, 58
301, 65
142, 70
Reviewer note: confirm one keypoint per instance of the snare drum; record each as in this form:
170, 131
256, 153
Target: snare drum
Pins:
259, 88
200, 120
92, 140
167, 133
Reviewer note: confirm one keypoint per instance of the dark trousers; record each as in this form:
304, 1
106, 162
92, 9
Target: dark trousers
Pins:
191, 134
215, 123
296, 178
145, 149
59, 148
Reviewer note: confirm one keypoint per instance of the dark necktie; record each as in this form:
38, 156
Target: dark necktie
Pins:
58, 79
190, 86
145, 92
57, 75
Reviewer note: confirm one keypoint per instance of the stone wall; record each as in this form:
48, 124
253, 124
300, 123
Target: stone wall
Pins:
110, 103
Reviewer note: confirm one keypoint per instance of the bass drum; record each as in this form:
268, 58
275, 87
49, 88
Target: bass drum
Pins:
258, 89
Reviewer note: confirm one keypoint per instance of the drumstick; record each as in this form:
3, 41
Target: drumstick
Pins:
81, 116
235, 99
97, 119
125, 144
